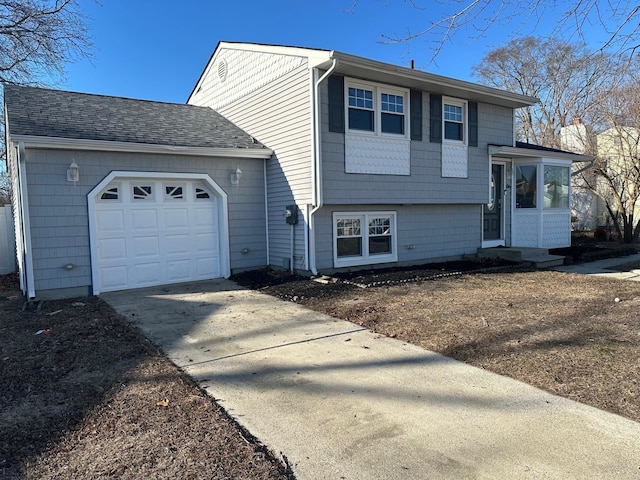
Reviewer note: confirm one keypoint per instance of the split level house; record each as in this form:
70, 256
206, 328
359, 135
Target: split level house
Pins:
304, 159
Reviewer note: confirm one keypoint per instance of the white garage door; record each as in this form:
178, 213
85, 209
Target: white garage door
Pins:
154, 232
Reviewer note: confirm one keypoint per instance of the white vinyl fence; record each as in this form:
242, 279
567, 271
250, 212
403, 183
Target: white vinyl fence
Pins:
7, 241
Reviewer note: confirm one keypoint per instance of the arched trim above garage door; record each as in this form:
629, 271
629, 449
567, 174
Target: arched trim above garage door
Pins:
222, 224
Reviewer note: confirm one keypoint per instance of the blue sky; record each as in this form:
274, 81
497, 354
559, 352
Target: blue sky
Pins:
157, 49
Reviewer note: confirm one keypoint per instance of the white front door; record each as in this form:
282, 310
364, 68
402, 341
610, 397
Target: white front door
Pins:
155, 232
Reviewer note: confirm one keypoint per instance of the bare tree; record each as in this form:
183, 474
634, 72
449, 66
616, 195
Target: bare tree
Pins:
614, 21
577, 85
570, 81
5, 189
615, 177
37, 38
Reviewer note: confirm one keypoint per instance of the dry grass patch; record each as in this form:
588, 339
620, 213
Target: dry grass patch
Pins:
564, 333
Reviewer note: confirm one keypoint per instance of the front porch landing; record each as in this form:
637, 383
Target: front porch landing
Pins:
539, 257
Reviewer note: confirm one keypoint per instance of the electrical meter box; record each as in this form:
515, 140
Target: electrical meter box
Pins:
291, 214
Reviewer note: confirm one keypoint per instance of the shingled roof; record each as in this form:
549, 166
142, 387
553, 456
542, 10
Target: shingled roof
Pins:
70, 115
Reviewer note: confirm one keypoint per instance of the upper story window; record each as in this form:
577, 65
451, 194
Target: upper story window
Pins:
361, 111
392, 113
376, 109
453, 116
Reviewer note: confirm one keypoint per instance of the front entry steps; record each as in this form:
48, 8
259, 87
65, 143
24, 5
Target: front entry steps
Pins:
539, 257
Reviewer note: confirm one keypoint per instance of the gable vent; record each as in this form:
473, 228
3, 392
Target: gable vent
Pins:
222, 70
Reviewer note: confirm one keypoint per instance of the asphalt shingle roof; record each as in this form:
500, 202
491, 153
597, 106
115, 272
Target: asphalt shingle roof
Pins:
71, 115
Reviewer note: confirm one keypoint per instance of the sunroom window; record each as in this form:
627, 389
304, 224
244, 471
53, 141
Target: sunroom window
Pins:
363, 238
556, 187
526, 186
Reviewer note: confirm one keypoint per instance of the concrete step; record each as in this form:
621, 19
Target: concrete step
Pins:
539, 257
544, 261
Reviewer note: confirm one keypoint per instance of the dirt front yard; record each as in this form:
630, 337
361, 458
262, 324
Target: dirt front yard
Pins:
573, 335
84, 395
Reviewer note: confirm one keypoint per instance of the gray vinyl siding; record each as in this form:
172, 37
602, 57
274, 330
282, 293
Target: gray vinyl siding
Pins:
278, 114
425, 185
438, 232
59, 212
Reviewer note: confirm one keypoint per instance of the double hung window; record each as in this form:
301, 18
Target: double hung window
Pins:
376, 109
453, 116
363, 238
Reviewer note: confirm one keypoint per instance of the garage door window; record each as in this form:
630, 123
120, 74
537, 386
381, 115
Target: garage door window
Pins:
201, 194
111, 193
174, 192
142, 192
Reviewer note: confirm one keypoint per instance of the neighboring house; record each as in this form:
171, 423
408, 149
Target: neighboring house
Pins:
620, 147
386, 164
365, 164
587, 209
113, 193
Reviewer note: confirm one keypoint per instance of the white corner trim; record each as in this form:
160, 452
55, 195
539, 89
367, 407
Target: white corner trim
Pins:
26, 222
223, 212
102, 145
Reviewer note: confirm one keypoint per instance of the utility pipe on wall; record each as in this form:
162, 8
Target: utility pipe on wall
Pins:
317, 165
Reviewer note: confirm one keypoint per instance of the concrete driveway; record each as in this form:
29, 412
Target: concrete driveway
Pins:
343, 403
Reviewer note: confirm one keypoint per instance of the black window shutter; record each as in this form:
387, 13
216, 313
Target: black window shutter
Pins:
416, 115
473, 124
336, 103
435, 115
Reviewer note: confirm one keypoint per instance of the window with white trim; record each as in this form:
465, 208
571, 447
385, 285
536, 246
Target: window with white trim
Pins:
454, 113
364, 238
376, 109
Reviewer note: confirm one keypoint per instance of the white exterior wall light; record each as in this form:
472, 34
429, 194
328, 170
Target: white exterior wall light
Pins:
235, 177
73, 172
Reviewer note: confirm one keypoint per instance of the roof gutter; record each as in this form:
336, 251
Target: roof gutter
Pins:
317, 165
443, 84
32, 141
506, 151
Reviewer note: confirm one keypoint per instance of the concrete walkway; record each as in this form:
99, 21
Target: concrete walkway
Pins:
343, 403
620, 268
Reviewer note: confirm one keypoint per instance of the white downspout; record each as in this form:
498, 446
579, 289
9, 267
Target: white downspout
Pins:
317, 166
266, 210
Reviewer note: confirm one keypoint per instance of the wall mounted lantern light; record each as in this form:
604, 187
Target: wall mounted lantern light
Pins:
73, 172
235, 177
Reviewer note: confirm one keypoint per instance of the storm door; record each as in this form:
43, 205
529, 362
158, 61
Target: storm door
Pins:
493, 210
